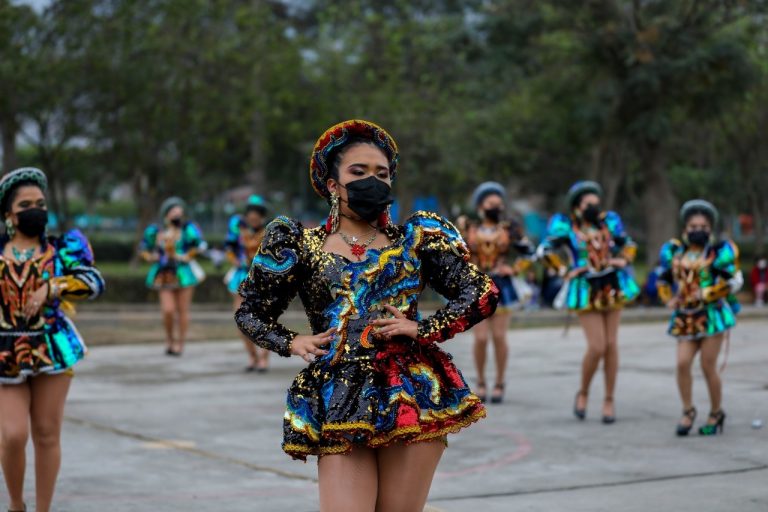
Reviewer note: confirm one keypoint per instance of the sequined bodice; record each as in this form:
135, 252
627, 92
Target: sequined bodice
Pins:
17, 282
348, 295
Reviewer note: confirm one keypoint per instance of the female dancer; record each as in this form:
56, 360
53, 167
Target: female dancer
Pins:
705, 275
597, 283
378, 397
172, 247
489, 243
243, 239
39, 345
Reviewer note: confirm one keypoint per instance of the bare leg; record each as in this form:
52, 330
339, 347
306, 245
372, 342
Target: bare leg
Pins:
499, 323
183, 303
594, 330
348, 483
262, 358
611, 361
49, 392
686, 351
15, 400
405, 475
710, 349
480, 350
250, 347
168, 309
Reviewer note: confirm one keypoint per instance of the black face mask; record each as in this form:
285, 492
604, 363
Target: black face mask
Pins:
492, 214
368, 197
591, 214
32, 222
699, 238
176, 221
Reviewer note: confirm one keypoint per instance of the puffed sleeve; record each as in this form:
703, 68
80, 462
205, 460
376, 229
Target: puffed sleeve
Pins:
624, 246
272, 282
80, 279
725, 266
445, 267
148, 241
558, 234
665, 281
232, 241
193, 239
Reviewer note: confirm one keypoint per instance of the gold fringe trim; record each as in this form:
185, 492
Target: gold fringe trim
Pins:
409, 435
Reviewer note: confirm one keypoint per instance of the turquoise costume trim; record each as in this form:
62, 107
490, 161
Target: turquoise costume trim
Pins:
241, 245
693, 275
49, 342
170, 272
602, 288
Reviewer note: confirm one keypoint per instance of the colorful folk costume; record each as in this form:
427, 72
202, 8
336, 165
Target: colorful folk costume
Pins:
175, 248
47, 343
491, 246
704, 281
365, 391
593, 285
242, 243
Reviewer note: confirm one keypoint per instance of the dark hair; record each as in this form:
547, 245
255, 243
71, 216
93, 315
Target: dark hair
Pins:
10, 196
260, 209
334, 157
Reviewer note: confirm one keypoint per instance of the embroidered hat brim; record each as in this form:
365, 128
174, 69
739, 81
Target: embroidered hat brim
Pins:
338, 136
22, 175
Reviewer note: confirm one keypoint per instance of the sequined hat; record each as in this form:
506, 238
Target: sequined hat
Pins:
699, 206
338, 136
256, 202
580, 188
21, 175
487, 189
170, 203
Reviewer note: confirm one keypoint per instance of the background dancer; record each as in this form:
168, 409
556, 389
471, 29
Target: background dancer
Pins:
39, 345
597, 284
699, 279
171, 246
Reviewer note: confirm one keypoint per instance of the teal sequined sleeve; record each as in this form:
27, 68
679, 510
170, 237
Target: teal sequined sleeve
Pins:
79, 278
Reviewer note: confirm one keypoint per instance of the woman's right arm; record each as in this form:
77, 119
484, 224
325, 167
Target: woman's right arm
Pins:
558, 234
665, 282
272, 282
148, 244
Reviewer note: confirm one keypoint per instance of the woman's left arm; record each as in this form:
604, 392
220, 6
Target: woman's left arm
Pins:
194, 243
80, 279
445, 266
624, 248
725, 265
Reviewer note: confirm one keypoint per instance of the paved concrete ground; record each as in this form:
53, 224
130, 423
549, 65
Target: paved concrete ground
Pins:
146, 432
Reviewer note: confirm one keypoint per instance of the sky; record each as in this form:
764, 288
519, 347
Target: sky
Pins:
37, 4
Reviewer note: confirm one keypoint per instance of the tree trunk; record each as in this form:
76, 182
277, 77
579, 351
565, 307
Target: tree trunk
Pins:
8, 130
659, 202
145, 195
258, 175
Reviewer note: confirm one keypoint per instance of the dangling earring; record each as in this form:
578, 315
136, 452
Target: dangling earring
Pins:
332, 224
10, 230
385, 218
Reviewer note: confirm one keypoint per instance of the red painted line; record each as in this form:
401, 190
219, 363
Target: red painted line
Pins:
522, 449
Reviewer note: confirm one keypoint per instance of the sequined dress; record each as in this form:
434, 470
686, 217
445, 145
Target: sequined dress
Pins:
491, 247
705, 283
367, 391
598, 286
48, 342
173, 270
241, 245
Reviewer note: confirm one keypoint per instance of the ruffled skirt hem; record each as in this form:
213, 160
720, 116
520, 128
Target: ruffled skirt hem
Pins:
336, 436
